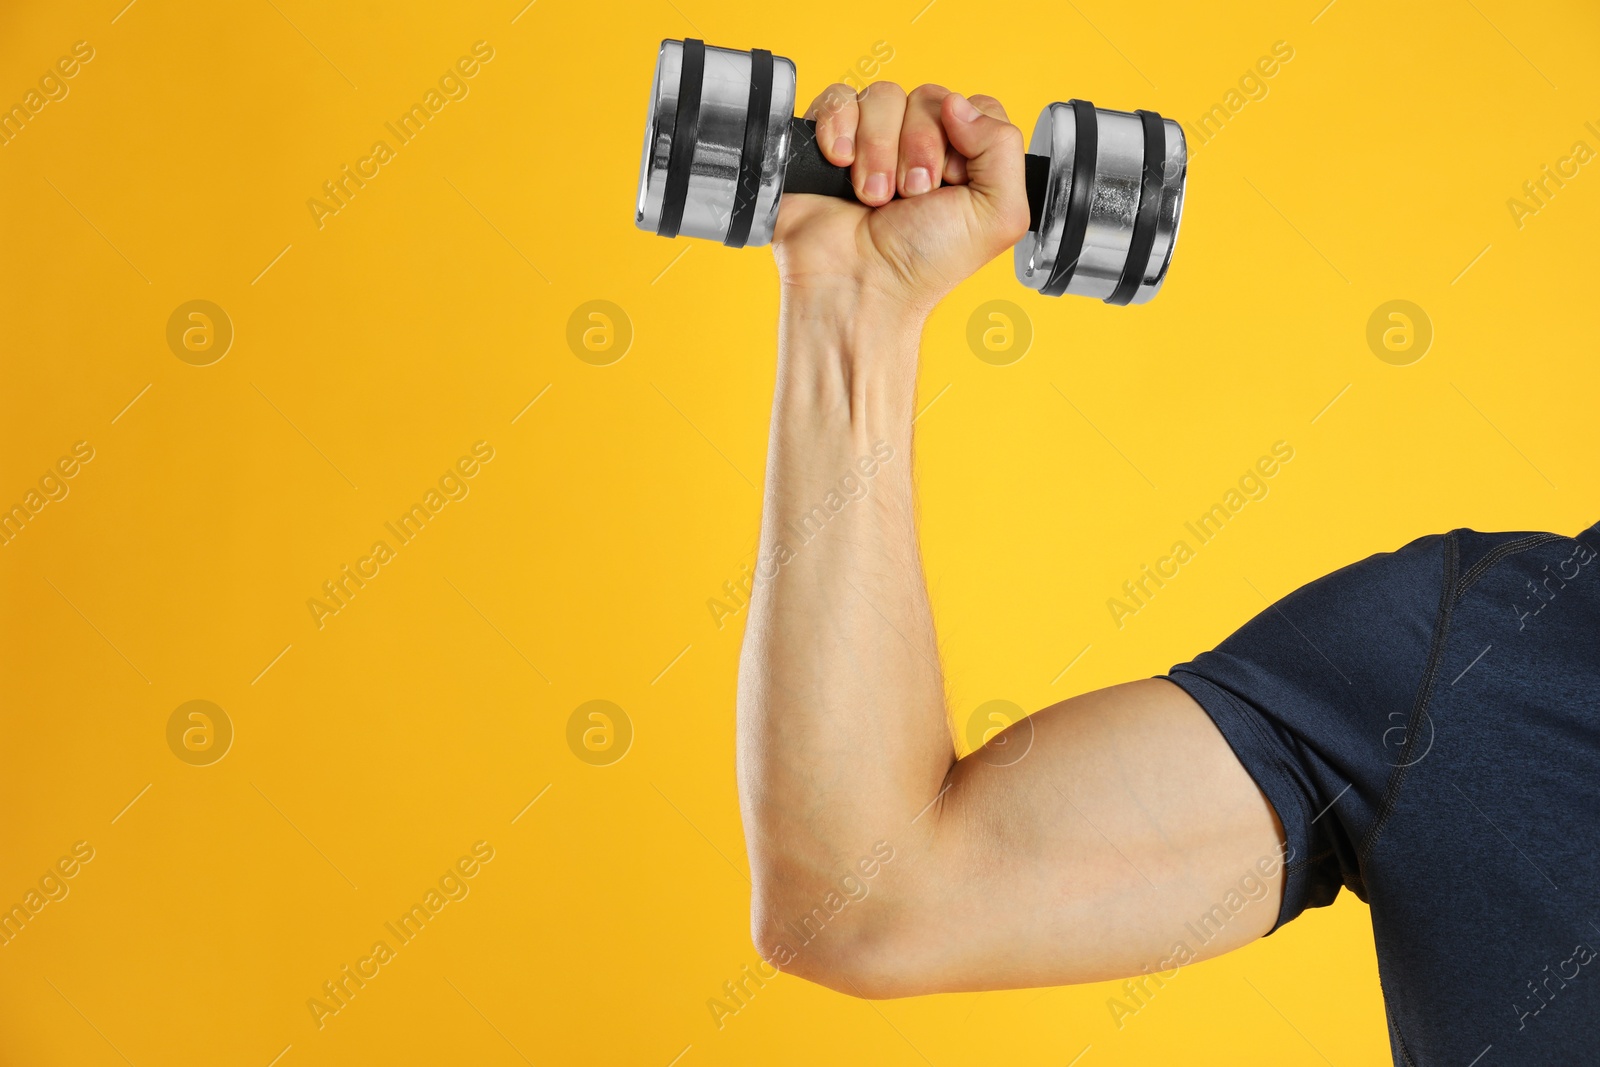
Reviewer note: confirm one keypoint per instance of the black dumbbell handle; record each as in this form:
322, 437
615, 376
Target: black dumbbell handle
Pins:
810, 172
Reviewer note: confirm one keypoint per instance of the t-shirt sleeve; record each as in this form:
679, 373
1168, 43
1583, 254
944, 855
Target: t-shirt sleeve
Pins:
1316, 695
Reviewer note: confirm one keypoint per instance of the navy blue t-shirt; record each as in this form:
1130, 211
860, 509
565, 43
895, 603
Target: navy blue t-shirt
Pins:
1426, 723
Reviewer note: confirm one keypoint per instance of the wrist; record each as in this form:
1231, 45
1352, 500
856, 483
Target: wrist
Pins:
851, 308
848, 353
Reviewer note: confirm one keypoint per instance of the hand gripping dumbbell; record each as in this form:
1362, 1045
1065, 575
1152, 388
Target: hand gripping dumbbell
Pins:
721, 145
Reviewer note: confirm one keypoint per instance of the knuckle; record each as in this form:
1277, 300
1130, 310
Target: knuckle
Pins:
881, 91
929, 92
988, 105
833, 101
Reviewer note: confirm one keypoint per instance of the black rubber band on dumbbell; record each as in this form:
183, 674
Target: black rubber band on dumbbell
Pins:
756, 114
1085, 148
1144, 221
685, 132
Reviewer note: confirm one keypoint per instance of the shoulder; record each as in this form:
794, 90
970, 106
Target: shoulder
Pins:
1521, 553
1361, 636
1507, 580
1314, 695
1364, 629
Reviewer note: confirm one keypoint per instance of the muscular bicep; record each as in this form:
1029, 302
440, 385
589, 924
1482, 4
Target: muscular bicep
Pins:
1108, 835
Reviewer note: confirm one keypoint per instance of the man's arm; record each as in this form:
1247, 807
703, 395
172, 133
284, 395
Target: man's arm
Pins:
1075, 846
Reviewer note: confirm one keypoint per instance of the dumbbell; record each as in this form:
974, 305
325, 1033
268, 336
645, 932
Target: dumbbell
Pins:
721, 146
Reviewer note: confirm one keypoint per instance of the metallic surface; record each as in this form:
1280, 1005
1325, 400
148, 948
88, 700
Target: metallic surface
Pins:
1113, 204
714, 176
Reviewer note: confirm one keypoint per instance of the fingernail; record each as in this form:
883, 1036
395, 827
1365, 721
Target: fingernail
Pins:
844, 147
918, 180
877, 186
963, 108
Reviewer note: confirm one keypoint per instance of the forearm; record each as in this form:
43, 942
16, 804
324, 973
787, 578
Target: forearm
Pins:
843, 738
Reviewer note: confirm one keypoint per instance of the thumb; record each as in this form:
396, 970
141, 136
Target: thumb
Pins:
993, 149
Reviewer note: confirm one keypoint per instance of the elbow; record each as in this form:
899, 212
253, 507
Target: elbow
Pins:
859, 946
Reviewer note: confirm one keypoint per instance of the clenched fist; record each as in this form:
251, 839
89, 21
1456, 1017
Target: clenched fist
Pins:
957, 167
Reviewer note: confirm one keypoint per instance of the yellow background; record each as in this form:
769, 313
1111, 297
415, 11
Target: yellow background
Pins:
429, 312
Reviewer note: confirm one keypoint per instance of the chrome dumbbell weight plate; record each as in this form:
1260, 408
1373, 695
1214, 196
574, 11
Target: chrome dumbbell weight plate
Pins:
1111, 204
698, 177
